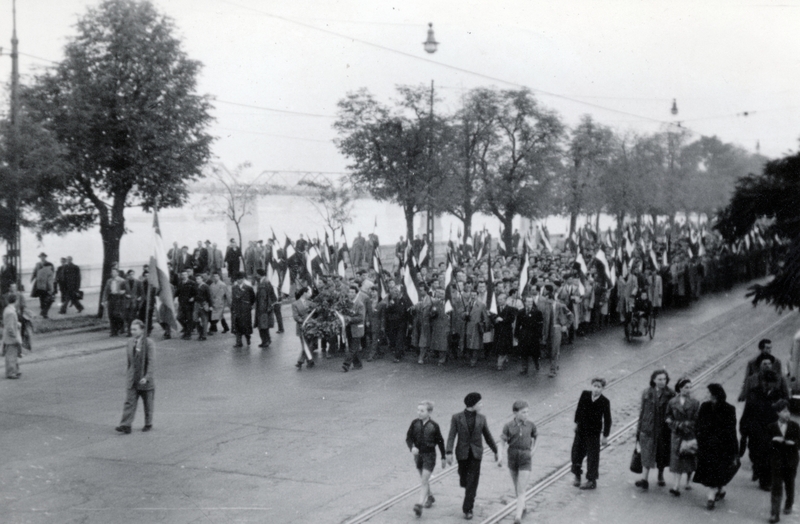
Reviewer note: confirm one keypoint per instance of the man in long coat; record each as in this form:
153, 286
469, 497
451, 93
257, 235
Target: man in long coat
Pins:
440, 325
43, 287
233, 258
528, 331
219, 299
265, 300
215, 259
71, 286
477, 320
242, 299
185, 293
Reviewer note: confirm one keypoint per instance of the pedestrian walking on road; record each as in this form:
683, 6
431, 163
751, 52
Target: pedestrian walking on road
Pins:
717, 444
422, 438
301, 308
139, 379
471, 429
592, 419
783, 458
652, 433
12, 337
43, 284
520, 436
754, 425
242, 300
681, 419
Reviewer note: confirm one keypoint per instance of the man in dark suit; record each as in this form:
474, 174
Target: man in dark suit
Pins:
785, 435
233, 257
528, 331
471, 428
242, 299
139, 379
71, 286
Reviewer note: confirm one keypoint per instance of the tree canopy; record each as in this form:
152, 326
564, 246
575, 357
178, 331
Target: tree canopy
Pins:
123, 106
771, 198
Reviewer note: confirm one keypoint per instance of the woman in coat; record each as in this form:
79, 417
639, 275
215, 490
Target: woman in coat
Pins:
717, 444
681, 419
653, 434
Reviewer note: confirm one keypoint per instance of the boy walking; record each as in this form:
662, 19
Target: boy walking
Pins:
592, 417
139, 381
521, 437
785, 435
422, 438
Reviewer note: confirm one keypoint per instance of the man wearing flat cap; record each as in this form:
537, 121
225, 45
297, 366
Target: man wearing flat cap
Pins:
471, 428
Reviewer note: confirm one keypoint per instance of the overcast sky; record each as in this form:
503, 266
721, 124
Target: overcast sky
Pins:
621, 61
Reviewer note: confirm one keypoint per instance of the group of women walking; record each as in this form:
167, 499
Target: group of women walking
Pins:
696, 441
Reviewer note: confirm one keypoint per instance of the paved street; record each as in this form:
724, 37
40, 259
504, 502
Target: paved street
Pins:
241, 436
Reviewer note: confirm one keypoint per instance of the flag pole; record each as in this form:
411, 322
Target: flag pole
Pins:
147, 322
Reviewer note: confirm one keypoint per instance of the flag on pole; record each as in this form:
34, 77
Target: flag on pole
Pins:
448, 277
581, 262
408, 279
600, 256
423, 253
272, 275
158, 275
546, 239
523, 270
501, 245
491, 301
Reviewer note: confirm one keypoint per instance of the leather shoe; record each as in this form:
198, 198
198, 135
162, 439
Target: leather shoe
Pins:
787, 511
675, 492
147, 427
429, 501
641, 483
418, 510
123, 429
774, 518
468, 515
591, 484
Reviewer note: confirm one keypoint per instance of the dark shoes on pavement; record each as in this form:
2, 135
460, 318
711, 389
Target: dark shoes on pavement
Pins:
675, 492
641, 483
710, 504
418, 510
429, 501
590, 484
124, 429
468, 515
774, 518
577, 481
148, 427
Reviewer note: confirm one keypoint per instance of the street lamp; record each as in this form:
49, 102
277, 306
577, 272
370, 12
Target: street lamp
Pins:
430, 44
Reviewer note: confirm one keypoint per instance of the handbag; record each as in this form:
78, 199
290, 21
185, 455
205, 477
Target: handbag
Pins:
79, 294
636, 460
688, 448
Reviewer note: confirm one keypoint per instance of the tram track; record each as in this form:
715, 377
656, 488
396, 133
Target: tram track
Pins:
370, 513
565, 469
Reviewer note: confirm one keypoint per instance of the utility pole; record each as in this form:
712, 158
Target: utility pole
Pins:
15, 247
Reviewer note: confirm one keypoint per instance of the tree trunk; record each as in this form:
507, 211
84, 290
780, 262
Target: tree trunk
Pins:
467, 226
111, 232
573, 222
597, 223
508, 231
620, 225
409, 213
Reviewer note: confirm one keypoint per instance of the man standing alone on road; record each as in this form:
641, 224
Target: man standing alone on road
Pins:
422, 438
139, 380
12, 337
592, 417
471, 428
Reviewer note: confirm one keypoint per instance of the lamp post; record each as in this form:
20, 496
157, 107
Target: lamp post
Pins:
430, 45
14, 248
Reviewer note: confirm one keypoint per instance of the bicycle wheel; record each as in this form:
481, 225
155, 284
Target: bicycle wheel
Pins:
628, 330
651, 326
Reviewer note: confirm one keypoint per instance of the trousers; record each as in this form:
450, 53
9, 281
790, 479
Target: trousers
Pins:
469, 473
131, 400
588, 447
782, 476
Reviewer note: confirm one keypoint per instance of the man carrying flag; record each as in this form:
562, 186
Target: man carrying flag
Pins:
158, 278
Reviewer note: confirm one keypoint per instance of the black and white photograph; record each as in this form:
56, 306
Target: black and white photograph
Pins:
359, 261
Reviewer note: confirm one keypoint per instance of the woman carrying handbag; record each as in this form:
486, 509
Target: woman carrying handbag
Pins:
681, 418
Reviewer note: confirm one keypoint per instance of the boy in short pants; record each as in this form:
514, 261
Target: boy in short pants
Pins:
519, 435
422, 438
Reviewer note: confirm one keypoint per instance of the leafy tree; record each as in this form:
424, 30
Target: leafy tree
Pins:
30, 176
522, 155
466, 147
772, 195
588, 155
124, 108
395, 151
622, 187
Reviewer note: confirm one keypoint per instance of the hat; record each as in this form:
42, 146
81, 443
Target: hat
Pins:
780, 405
42, 254
260, 272
471, 399
300, 292
208, 241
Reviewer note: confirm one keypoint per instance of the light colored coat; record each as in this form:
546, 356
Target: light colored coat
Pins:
220, 297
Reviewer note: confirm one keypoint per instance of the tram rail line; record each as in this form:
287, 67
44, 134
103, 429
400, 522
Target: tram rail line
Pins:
370, 513
565, 469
